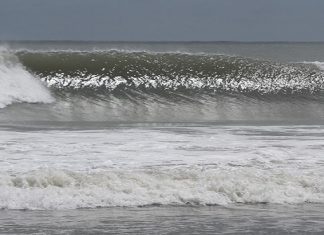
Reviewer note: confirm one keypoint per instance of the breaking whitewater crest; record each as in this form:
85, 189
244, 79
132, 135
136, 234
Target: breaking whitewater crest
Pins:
17, 84
182, 186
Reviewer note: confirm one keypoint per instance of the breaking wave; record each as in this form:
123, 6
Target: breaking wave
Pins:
123, 70
319, 64
58, 189
17, 84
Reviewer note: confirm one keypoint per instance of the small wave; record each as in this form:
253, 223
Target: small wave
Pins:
319, 64
18, 85
57, 189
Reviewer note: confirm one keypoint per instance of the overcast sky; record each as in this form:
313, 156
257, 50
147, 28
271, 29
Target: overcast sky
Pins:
162, 20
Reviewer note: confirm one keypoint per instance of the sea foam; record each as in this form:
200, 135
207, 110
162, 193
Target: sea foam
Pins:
17, 84
58, 189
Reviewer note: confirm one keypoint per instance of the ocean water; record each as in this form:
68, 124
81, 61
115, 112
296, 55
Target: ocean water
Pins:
161, 137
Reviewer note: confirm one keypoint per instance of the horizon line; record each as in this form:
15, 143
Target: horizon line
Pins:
152, 41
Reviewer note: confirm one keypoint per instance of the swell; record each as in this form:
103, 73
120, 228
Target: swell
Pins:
119, 71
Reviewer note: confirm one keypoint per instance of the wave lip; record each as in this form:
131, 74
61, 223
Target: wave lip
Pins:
58, 189
18, 85
159, 83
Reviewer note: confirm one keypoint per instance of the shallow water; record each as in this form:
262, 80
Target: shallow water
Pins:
240, 219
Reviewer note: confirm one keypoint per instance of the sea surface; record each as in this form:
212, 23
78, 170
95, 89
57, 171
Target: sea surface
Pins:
161, 138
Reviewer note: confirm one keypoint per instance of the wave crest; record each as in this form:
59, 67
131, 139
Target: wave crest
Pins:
170, 71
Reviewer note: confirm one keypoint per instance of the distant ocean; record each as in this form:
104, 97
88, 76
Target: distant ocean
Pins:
161, 137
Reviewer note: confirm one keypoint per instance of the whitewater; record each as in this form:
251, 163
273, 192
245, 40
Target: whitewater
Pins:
17, 84
159, 166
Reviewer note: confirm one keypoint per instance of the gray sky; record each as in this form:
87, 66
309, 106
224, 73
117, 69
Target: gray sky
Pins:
162, 20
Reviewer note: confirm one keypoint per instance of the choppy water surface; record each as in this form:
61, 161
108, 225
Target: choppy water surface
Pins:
161, 138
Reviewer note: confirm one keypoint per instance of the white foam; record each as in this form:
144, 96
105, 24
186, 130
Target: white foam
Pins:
57, 189
18, 85
143, 166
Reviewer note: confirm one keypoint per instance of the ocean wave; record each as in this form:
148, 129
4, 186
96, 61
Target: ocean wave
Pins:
58, 189
17, 84
319, 64
117, 70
